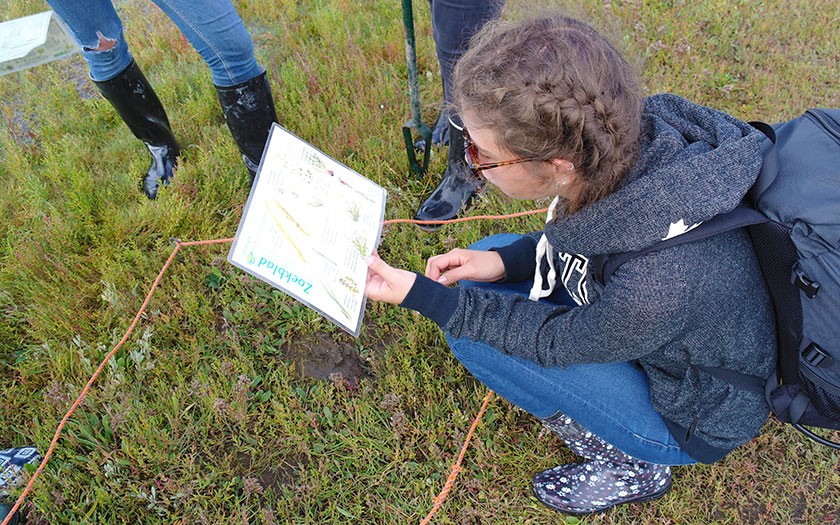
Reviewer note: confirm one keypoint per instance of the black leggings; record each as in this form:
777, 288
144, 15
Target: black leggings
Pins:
454, 22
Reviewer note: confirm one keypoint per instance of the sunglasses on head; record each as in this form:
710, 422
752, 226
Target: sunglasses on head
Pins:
471, 156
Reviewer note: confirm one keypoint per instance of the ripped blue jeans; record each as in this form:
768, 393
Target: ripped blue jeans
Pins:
213, 27
611, 400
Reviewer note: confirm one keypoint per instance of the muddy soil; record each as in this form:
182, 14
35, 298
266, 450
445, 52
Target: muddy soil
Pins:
318, 356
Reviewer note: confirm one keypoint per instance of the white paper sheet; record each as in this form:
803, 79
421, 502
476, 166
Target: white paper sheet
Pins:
33, 40
307, 227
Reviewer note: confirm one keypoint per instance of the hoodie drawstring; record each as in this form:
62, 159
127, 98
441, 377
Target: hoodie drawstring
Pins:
544, 249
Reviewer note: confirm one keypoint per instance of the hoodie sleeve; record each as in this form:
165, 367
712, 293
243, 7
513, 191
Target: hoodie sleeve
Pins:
637, 313
432, 300
519, 259
437, 302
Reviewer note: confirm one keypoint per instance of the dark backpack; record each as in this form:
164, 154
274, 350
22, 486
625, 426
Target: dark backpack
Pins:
792, 213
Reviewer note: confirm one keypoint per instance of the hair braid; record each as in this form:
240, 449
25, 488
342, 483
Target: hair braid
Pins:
555, 88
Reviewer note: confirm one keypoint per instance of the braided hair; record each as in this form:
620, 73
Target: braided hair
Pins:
553, 87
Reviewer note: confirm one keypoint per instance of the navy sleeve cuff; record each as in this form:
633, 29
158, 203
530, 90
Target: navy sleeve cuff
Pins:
432, 300
519, 259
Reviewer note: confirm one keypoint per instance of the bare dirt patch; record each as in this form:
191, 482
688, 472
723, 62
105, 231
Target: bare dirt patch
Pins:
318, 356
273, 477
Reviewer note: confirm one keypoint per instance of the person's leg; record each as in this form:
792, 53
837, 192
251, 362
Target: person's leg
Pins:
457, 188
602, 411
131, 94
98, 30
454, 22
608, 477
249, 112
612, 400
216, 31
5, 508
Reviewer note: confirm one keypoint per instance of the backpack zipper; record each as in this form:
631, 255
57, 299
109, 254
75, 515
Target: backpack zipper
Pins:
823, 120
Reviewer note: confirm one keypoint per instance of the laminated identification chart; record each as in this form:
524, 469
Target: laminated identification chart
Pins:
34, 40
307, 227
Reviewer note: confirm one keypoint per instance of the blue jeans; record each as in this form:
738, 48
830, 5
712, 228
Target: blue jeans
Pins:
213, 27
611, 400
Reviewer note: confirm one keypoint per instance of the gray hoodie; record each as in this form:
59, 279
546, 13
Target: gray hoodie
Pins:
698, 304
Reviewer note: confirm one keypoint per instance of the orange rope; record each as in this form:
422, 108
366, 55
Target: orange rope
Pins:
456, 468
178, 244
95, 375
465, 219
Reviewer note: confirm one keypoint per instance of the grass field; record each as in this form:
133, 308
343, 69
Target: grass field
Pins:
232, 403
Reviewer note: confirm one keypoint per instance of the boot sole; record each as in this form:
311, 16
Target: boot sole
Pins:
642, 499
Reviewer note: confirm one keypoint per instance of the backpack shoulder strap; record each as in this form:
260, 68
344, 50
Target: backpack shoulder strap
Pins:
741, 216
770, 161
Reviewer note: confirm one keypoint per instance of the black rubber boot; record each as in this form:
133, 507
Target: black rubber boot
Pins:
456, 191
139, 107
607, 478
4, 513
440, 135
249, 112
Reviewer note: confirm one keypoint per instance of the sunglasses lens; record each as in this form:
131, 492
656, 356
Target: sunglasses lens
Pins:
471, 156
470, 151
468, 154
